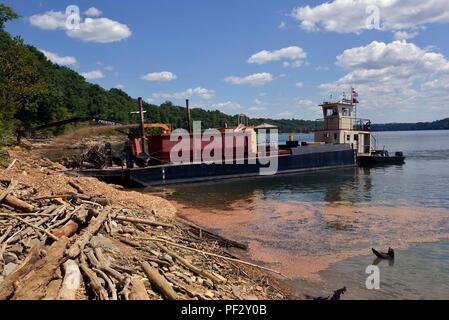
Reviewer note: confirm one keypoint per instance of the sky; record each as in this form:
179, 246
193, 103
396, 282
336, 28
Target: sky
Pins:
263, 58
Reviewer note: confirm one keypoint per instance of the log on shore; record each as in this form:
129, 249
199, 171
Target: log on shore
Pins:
94, 281
143, 221
7, 285
138, 290
159, 282
68, 230
71, 282
34, 285
191, 267
91, 230
222, 241
18, 204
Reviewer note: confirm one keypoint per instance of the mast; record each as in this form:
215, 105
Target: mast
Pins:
142, 123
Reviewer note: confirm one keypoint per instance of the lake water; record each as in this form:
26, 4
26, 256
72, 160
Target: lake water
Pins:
318, 228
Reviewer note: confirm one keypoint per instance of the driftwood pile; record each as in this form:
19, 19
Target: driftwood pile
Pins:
82, 246
93, 158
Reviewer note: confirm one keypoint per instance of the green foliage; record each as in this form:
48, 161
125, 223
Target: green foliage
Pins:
435, 125
6, 14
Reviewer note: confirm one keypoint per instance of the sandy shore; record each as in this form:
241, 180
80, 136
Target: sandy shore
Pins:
42, 184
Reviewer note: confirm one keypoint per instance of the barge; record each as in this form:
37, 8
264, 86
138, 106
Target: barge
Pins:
341, 141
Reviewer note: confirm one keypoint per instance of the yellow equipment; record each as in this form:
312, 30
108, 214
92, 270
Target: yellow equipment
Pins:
166, 128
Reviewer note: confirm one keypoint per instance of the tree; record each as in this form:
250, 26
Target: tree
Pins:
6, 14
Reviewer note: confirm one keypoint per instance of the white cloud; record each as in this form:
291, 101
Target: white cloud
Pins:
101, 30
299, 85
93, 12
397, 54
350, 16
294, 55
55, 58
229, 105
109, 68
404, 35
441, 84
94, 74
198, 91
163, 76
282, 25
51, 20
119, 86
98, 30
394, 76
257, 101
257, 79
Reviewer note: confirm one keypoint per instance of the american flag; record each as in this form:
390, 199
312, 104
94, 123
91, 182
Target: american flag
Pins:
354, 96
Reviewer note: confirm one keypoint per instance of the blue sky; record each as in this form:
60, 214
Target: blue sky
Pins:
202, 50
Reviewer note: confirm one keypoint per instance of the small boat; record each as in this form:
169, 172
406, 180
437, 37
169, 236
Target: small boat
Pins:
380, 157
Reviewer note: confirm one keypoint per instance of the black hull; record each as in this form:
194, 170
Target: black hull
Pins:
370, 161
173, 174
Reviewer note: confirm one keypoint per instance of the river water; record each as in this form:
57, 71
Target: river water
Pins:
318, 228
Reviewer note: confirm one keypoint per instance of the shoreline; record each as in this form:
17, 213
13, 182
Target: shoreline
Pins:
189, 274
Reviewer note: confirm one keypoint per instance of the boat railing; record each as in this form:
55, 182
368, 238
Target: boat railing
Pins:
342, 123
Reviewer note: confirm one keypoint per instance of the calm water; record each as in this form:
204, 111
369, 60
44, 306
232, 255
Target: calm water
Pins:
318, 228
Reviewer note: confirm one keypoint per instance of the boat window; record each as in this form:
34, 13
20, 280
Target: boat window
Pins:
335, 136
331, 112
346, 112
348, 137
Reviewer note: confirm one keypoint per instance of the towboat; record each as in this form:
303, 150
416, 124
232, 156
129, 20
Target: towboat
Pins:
341, 140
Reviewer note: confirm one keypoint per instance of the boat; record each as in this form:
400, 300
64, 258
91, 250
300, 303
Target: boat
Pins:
342, 140
340, 125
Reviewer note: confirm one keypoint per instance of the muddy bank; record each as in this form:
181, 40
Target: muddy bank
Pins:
117, 244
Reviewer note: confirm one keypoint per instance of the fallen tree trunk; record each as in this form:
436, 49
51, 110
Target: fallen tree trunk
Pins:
71, 282
159, 282
7, 285
94, 281
53, 289
138, 290
222, 241
68, 230
91, 230
143, 221
8, 190
18, 204
33, 286
185, 263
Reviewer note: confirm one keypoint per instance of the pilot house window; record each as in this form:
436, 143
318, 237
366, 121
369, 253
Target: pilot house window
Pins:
331, 112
